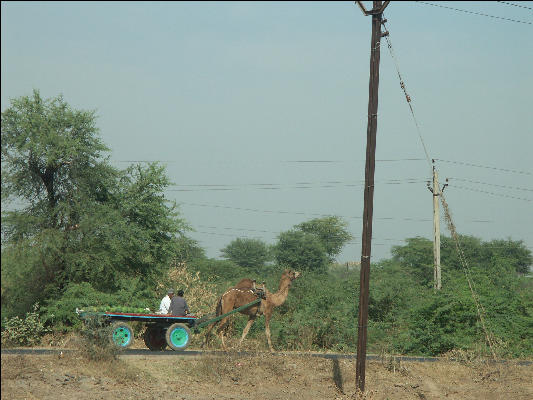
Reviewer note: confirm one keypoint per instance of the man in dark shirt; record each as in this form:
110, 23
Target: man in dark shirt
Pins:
178, 305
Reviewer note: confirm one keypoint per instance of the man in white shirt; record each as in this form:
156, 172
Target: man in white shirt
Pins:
165, 303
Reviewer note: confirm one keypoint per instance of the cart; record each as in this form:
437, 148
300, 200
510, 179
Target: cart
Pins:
162, 330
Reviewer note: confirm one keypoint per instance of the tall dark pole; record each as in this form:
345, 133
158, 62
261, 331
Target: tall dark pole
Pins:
369, 190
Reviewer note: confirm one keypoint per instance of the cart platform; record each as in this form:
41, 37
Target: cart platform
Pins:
157, 318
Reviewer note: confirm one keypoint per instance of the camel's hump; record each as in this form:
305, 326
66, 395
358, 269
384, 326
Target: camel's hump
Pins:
245, 283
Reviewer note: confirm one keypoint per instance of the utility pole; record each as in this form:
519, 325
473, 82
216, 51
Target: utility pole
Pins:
376, 13
436, 191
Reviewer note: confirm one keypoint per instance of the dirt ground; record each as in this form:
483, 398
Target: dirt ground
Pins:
261, 376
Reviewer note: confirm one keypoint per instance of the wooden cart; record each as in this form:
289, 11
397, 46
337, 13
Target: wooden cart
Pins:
162, 330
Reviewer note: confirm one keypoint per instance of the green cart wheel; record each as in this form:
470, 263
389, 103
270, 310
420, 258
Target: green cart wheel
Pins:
121, 335
178, 336
154, 338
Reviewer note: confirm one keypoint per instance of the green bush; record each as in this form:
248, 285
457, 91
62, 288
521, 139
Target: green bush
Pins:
26, 331
318, 314
96, 343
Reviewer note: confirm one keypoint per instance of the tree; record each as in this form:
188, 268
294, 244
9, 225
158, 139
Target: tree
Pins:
81, 220
300, 250
513, 253
494, 257
331, 232
50, 156
417, 255
188, 250
248, 253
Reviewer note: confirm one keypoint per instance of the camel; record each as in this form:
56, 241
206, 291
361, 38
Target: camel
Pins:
243, 293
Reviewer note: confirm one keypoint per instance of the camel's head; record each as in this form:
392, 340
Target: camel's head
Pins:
292, 275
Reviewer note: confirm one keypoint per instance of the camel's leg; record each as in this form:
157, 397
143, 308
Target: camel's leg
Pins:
221, 332
208, 334
249, 324
267, 332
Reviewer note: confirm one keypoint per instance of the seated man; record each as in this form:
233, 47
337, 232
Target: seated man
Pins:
178, 305
165, 303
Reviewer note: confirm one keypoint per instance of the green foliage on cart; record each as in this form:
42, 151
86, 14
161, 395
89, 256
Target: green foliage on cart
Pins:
60, 313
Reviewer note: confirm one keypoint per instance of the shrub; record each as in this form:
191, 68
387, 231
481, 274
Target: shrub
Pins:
24, 332
96, 341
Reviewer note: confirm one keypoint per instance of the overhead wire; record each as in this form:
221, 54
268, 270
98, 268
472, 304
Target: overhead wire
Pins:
491, 193
281, 161
475, 13
412, 219
492, 184
407, 97
514, 5
350, 241
443, 245
485, 166
279, 186
339, 161
346, 161
248, 237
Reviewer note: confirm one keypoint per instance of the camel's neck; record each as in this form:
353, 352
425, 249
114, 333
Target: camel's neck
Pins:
280, 296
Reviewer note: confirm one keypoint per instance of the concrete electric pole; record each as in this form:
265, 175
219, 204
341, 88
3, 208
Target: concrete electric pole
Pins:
436, 191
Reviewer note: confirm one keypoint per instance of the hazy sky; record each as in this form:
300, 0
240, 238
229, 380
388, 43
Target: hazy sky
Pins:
232, 97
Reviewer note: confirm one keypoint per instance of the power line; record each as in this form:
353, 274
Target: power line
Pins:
493, 184
443, 245
515, 5
274, 186
298, 184
485, 166
407, 97
340, 161
491, 193
278, 232
344, 161
311, 161
475, 13
350, 241
412, 219
388, 181
248, 237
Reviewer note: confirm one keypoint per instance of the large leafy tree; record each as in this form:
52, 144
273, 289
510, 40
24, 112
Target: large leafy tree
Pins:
73, 218
51, 155
301, 251
248, 253
331, 232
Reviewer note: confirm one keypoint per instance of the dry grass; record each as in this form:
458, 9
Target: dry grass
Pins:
200, 293
261, 375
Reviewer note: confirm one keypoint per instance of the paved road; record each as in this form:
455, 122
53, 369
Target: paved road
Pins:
195, 353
